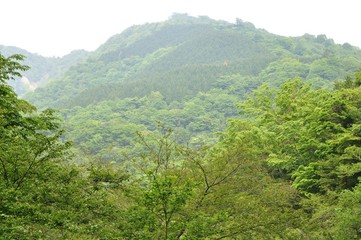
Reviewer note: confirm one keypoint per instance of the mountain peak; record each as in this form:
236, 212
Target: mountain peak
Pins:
185, 55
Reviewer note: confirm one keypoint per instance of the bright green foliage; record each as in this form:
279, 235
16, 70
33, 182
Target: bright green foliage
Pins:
62, 204
10, 68
42, 196
29, 143
28, 140
311, 138
348, 222
222, 192
287, 168
315, 134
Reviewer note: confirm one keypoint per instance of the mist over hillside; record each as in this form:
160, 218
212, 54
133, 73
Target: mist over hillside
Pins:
42, 69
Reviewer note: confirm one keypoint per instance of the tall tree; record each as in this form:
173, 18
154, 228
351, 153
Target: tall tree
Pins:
28, 139
222, 192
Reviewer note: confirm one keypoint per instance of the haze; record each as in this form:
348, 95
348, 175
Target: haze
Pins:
55, 28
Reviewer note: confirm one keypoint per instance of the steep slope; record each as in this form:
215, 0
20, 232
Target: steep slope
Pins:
150, 54
41, 68
185, 55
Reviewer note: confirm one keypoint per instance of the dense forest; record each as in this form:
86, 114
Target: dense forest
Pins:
186, 129
185, 55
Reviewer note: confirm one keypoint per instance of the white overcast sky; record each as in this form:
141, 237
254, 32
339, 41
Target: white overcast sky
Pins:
56, 27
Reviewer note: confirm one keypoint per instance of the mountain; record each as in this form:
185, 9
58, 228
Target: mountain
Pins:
186, 129
186, 73
41, 68
162, 151
185, 55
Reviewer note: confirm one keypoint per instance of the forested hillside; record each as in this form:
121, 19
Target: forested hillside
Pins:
185, 55
185, 129
42, 69
187, 73
288, 168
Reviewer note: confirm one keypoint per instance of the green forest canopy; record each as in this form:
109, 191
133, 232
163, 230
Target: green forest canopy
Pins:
186, 55
186, 129
287, 168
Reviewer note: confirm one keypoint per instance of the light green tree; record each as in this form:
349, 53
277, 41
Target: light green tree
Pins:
28, 139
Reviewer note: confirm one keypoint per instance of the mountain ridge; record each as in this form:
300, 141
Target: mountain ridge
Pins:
189, 55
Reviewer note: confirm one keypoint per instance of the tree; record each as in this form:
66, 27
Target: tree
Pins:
313, 141
42, 195
28, 139
348, 222
217, 193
